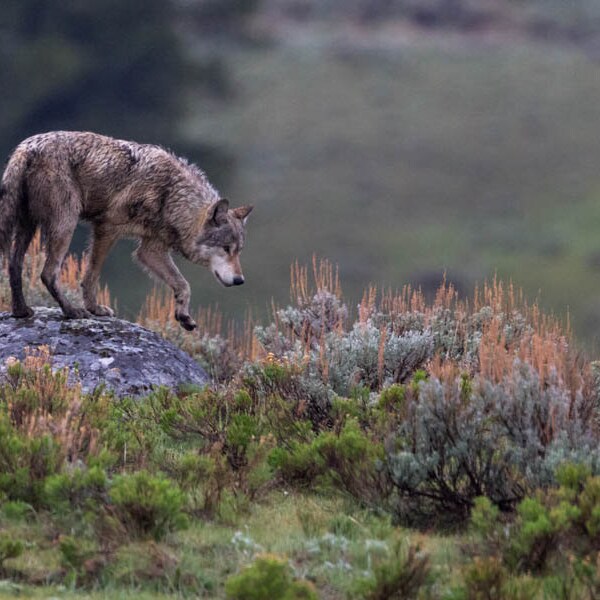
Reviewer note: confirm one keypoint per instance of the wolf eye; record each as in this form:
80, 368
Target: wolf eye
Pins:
227, 249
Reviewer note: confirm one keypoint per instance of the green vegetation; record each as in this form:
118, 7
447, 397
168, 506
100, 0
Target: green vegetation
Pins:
267, 577
438, 450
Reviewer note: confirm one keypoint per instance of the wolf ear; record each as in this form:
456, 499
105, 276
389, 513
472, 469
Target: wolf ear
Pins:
217, 213
242, 212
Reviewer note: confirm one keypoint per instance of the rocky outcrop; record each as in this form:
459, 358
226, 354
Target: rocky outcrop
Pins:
127, 358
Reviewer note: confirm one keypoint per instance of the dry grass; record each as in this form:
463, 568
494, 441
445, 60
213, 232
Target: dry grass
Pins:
158, 314
71, 277
535, 338
510, 327
41, 402
325, 277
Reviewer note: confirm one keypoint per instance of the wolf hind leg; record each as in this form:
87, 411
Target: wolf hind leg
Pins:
58, 240
102, 242
24, 233
158, 261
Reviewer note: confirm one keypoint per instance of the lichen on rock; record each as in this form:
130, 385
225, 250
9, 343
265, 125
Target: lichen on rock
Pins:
129, 359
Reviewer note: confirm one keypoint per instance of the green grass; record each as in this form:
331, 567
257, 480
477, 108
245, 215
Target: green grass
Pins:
176, 494
328, 539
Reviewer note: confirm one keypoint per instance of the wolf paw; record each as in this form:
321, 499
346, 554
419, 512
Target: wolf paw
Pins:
102, 311
186, 322
23, 312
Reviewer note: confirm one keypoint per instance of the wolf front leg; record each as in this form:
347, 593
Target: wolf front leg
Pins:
157, 260
102, 242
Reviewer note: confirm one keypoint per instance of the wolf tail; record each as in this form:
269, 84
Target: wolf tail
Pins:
12, 197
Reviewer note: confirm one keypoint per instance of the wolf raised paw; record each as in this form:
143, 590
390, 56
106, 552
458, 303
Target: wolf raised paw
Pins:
186, 322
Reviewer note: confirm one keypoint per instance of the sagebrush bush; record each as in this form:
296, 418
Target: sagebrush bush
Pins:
367, 355
501, 440
374, 357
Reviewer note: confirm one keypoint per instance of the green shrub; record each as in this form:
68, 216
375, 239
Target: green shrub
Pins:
521, 588
571, 477
76, 489
547, 528
304, 393
347, 461
586, 571
300, 464
25, 462
484, 516
206, 441
392, 398
487, 579
268, 577
589, 503
536, 533
193, 470
16, 510
242, 430
44, 423
71, 554
148, 505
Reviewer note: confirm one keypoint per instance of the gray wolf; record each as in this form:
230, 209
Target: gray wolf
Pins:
123, 189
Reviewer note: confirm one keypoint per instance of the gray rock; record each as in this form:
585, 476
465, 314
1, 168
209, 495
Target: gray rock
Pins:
127, 358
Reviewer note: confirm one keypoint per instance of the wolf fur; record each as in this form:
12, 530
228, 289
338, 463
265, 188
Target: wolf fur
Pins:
123, 189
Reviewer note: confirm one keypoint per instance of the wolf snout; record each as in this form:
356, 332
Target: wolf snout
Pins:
228, 280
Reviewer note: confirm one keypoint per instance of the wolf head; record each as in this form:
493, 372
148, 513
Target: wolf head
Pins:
222, 240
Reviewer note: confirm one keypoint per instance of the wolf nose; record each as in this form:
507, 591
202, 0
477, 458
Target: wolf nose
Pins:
238, 280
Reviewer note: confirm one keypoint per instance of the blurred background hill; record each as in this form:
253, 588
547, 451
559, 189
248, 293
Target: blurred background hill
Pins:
399, 138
